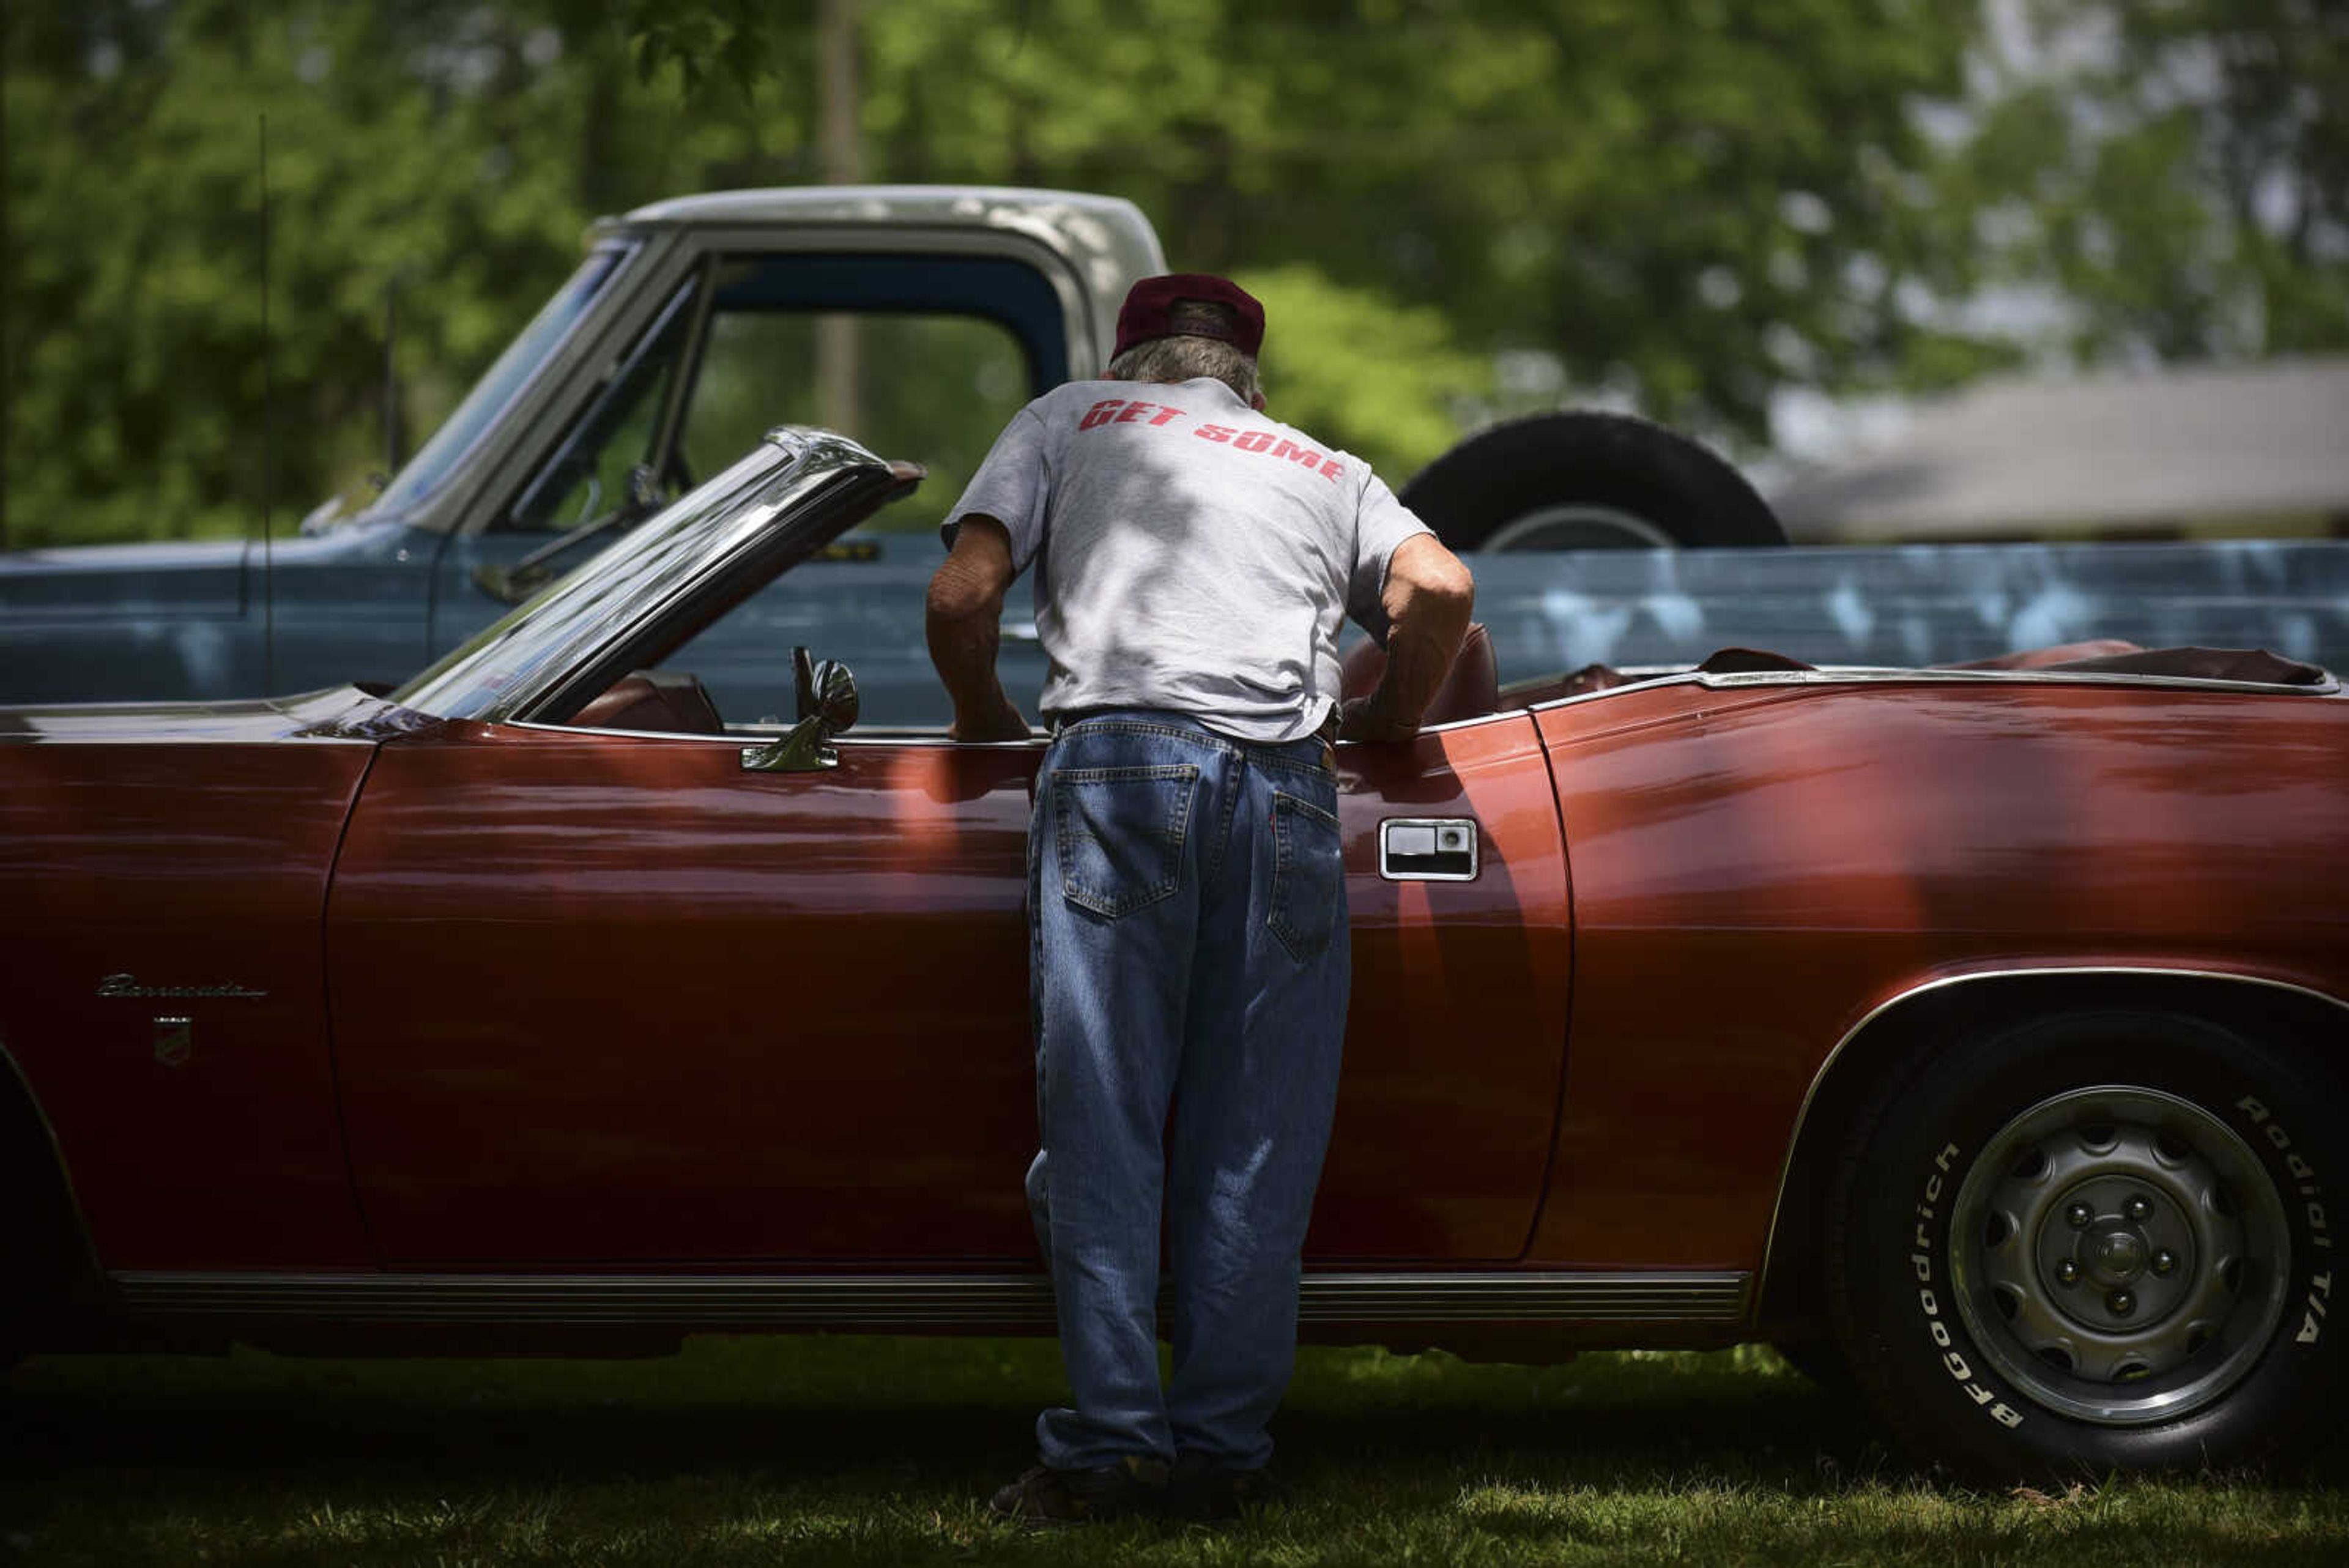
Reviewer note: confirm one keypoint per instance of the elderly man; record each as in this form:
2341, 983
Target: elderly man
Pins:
1186, 891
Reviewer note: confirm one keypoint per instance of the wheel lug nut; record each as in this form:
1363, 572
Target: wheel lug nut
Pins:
2139, 1206
2068, 1272
2165, 1262
2121, 1302
2079, 1216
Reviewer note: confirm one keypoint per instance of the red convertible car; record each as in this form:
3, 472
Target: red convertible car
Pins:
1979, 1036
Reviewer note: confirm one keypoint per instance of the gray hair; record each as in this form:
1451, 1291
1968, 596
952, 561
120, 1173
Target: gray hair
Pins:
1185, 358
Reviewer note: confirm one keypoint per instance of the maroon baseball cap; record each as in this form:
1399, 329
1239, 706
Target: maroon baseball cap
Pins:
1149, 311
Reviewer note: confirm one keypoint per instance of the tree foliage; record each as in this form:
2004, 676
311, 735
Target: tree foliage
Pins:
1455, 210
2176, 175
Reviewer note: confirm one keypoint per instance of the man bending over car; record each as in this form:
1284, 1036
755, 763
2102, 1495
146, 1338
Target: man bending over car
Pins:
1186, 895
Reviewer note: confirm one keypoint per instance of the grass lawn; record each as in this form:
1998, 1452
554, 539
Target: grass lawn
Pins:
879, 1452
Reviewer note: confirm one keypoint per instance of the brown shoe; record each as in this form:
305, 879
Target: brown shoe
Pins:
1041, 1497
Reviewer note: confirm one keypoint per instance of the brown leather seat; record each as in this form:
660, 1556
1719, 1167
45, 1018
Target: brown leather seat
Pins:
666, 699
1470, 690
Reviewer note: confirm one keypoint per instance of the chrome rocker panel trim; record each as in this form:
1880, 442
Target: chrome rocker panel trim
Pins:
897, 1303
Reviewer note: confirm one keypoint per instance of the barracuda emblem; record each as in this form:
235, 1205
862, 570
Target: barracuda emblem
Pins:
128, 985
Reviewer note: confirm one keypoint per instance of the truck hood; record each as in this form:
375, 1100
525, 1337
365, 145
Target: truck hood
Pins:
178, 578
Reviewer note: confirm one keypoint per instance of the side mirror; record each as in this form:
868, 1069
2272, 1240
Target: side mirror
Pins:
511, 585
826, 695
824, 689
644, 496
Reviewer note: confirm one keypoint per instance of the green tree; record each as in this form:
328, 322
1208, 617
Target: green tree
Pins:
1456, 210
1662, 200
1670, 201
2175, 175
449, 151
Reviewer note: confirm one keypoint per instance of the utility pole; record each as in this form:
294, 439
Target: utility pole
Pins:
839, 365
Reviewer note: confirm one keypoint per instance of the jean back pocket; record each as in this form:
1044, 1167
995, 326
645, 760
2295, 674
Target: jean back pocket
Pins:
1309, 876
1120, 833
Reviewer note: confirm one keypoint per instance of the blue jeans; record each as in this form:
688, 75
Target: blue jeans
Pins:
1190, 967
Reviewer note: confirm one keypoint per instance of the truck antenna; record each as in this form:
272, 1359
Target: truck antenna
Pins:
268, 443
390, 376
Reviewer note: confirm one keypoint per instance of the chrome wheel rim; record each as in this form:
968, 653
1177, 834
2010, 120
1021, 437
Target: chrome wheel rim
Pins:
1578, 526
2119, 1256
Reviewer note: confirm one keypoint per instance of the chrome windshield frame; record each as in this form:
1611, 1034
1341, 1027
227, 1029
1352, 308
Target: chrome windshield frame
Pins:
661, 582
618, 256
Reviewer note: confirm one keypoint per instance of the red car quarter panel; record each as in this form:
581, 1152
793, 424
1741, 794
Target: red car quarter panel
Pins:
1757, 869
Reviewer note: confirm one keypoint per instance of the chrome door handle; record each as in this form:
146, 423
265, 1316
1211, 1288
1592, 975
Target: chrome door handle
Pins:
1427, 848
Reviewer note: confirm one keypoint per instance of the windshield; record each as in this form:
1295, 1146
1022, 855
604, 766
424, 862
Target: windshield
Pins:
668, 578
513, 372
612, 592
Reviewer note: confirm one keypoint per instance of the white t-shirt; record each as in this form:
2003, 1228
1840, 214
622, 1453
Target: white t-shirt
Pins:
1191, 554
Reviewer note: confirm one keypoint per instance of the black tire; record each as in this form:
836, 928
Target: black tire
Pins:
2180, 1326
1587, 481
1821, 1361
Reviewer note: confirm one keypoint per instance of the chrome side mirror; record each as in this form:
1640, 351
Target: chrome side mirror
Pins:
510, 586
644, 496
827, 699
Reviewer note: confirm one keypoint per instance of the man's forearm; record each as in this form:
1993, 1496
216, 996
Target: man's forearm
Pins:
963, 641
1420, 651
1428, 598
961, 620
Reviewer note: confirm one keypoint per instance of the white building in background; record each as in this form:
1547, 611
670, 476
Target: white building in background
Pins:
2250, 451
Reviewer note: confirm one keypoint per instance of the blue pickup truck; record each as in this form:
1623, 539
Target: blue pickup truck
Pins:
917, 318
688, 328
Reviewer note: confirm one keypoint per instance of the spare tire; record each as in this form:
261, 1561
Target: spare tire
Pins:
1579, 480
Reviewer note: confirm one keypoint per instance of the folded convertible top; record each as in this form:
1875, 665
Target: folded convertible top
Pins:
2109, 656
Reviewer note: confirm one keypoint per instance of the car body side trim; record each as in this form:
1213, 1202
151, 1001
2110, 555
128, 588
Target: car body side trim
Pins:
1853, 675
1827, 1064
899, 1301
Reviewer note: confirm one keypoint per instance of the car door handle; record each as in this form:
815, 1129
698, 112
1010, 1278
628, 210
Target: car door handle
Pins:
1427, 848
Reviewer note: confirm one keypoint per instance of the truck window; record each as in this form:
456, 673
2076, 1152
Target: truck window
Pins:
588, 475
918, 356
933, 389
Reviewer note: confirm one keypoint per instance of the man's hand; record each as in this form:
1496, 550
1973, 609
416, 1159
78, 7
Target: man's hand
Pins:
1427, 598
962, 621
1005, 723
1357, 721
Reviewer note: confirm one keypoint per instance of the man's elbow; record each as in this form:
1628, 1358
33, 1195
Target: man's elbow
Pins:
1449, 585
1429, 580
957, 600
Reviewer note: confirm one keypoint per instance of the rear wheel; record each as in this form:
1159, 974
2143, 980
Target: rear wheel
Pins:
2098, 1242
1581, 481
1821, 1361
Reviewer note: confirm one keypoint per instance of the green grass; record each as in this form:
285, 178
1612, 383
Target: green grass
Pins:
857, 1452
